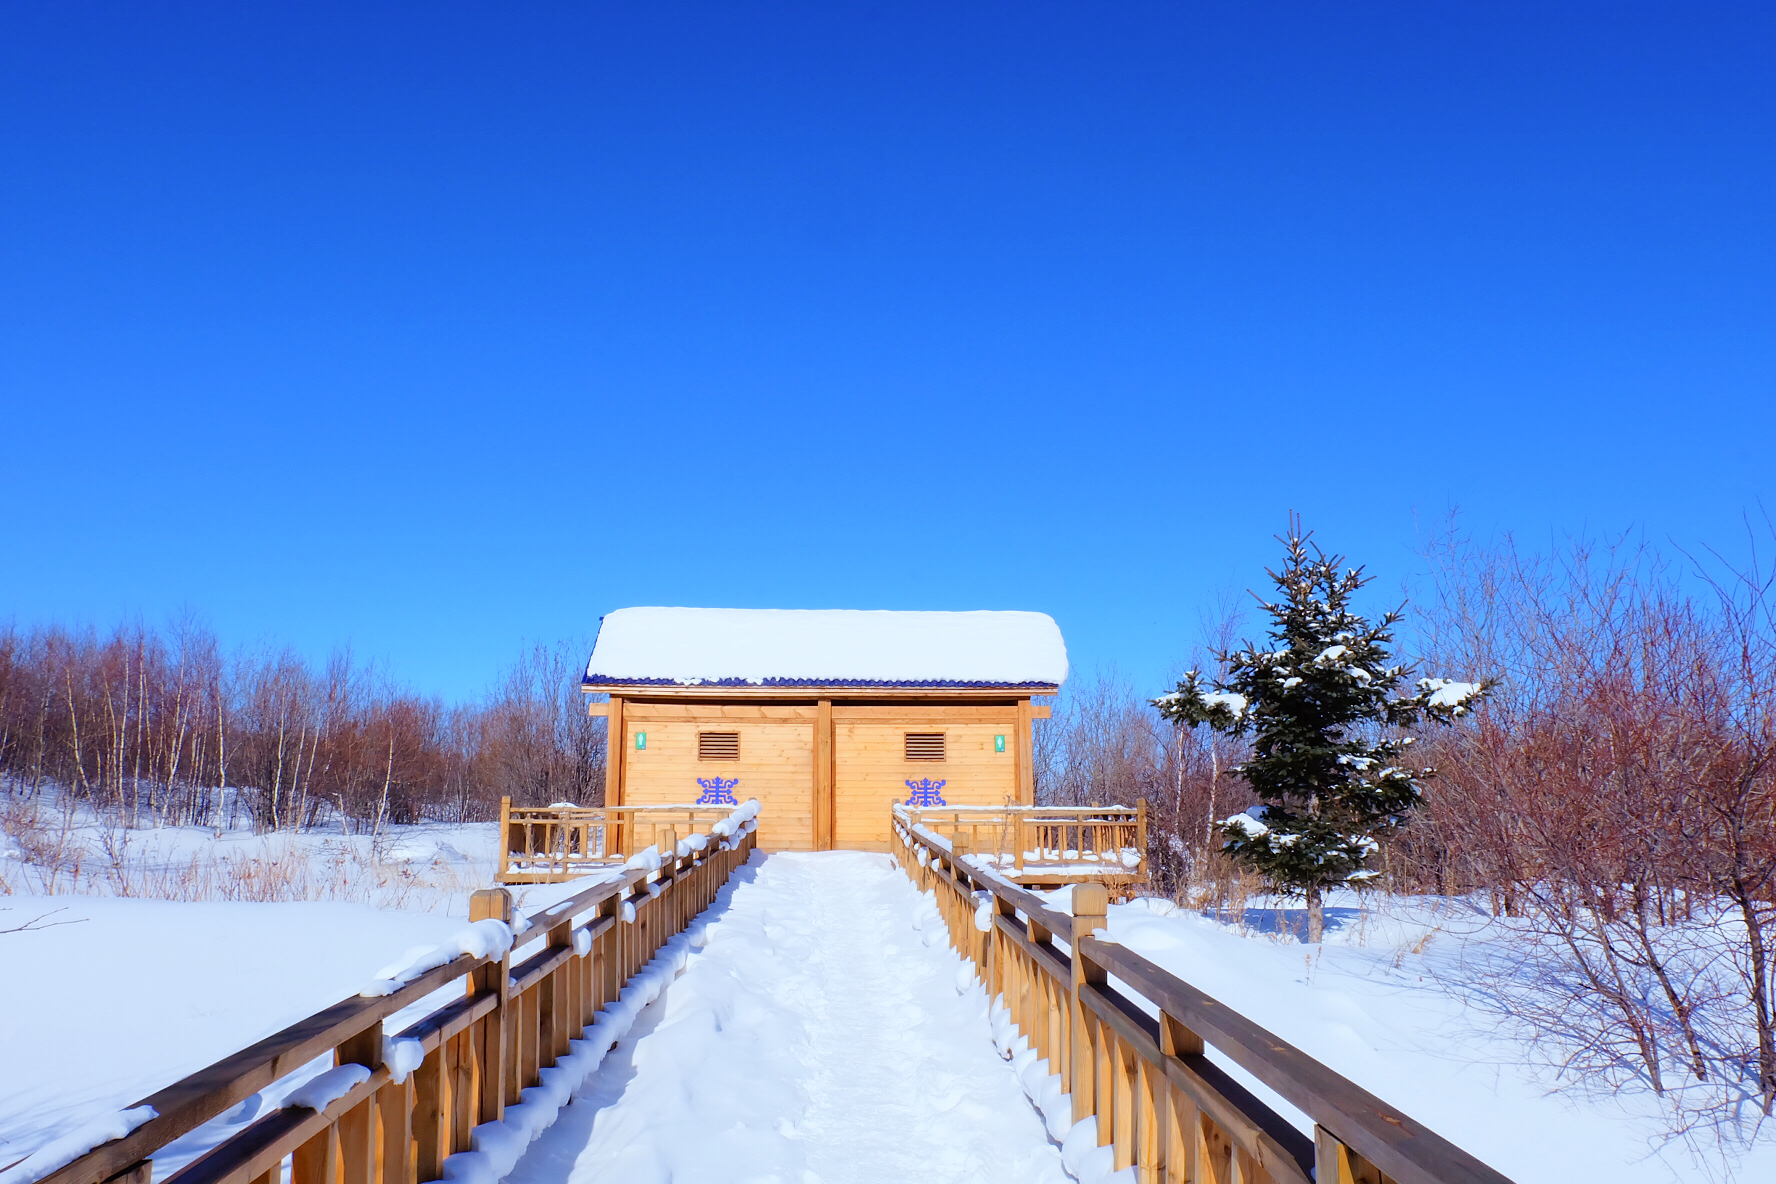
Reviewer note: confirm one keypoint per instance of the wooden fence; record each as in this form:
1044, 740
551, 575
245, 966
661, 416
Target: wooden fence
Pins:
480, 1050
550, 844
1132, 1053
1045, 846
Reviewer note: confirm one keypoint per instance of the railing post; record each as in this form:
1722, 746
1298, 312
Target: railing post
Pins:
609, 954
1090, 904
997, 954
1179, 1122
505, 838
493, 979
1335, 1163
1141, 829
554, 995
357, 1146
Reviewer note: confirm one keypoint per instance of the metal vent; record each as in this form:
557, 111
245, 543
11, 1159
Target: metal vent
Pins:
718, 746
924, 746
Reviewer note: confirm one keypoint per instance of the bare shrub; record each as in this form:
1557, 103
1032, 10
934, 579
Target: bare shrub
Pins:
1617, 804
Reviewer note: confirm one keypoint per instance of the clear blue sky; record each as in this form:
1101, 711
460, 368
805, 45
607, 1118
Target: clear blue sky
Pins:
434, 328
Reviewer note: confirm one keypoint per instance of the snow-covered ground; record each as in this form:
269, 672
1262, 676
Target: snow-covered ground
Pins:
818, 1031
429, 866
825, 1033
1389, 1000
106, 996
114, 998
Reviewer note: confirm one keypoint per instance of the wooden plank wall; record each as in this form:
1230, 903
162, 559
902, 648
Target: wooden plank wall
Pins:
826, 772
776, 763
871, 769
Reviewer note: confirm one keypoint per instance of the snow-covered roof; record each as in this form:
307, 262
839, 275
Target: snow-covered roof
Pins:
826, 647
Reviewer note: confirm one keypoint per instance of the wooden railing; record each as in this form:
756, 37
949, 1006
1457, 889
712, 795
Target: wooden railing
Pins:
549, 844
479, 1050
1044, 844
1131, 1054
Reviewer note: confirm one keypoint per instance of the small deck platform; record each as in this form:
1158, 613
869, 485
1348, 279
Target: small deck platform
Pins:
551, 844
1043, 846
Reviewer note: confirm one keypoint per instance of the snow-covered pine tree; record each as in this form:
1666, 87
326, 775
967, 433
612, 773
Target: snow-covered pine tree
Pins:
1327, 726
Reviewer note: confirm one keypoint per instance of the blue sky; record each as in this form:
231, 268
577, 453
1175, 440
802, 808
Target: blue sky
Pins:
436, 328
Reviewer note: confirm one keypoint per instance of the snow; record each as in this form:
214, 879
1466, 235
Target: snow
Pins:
1389, 1000
133, 995
207, 978
496, 1146
825, 1032
1446, 692
402, 1055
323, 1089
827, 646
425, 866
480, 939
60, 1152
1247, 824
1234, 703
813, 1025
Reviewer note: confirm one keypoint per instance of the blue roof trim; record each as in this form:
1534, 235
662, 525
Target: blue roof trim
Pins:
599, 680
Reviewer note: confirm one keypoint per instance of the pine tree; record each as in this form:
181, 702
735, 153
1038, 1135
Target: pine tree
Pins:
1329, 749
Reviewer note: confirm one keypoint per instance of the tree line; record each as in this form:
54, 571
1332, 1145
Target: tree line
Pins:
165, 726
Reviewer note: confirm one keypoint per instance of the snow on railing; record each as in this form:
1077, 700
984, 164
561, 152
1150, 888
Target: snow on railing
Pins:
1110, 1048
486, 1054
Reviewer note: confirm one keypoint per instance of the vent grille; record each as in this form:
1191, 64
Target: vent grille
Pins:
718, 746
924, 746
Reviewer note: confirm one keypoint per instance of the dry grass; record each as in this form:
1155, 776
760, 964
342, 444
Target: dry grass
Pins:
52, 852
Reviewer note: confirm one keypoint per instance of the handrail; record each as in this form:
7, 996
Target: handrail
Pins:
1136, 1064
479, 1051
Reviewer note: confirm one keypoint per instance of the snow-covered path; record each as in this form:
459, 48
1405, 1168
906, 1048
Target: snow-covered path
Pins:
825, 1034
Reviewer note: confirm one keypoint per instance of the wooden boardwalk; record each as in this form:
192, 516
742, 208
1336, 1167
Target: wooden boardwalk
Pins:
816, 1037
499, 1046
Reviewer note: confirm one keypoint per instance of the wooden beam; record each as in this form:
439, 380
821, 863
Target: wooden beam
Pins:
616, 750
1026, 755
824, 802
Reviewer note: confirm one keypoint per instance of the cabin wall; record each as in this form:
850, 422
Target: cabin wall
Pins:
776, 763
869, 770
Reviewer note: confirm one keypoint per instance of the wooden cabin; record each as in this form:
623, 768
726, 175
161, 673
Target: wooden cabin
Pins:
828, 717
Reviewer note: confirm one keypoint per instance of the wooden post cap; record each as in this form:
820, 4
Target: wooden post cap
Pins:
1090, 900
491, 904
